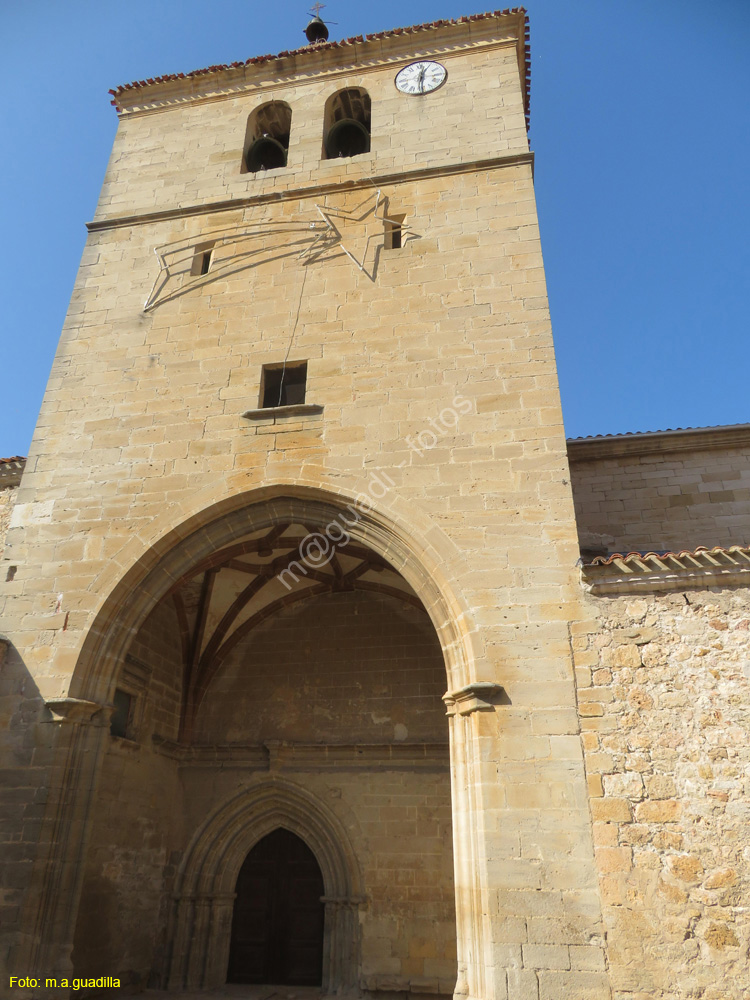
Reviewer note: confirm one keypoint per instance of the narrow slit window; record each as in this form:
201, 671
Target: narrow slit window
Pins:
283, 385
394, 232
120, 722
202, 259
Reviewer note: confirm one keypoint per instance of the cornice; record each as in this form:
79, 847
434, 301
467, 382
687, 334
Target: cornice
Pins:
231, 85
353, 54
278, 754
312, 191
658, 442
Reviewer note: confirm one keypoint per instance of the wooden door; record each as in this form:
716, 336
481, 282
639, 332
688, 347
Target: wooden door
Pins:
277, 928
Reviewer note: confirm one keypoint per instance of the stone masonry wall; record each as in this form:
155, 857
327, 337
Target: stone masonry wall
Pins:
664, 500
343, 668
664, 699
23, 777
25, 752
137, 829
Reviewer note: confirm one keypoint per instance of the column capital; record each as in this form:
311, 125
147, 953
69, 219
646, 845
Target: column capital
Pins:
76, 710
481, 696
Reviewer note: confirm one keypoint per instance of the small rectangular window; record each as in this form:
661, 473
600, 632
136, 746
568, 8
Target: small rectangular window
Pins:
120, 722
202, 258
283, 385
393, 232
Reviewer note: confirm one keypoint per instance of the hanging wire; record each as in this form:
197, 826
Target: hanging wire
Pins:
294, 330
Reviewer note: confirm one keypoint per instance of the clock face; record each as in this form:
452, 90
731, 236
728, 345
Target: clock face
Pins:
421, 77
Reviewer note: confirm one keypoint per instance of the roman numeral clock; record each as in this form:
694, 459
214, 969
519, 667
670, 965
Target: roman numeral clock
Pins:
421, 77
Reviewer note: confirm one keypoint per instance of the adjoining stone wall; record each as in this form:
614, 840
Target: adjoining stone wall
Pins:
23, 778
664, 700
662, 492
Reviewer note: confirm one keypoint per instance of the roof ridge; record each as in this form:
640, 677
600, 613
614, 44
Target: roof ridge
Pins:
666, 430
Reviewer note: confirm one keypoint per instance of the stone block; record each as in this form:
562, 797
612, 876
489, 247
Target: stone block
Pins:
611, 810
660, 811
581, 985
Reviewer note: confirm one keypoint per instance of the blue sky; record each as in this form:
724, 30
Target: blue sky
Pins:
640, 117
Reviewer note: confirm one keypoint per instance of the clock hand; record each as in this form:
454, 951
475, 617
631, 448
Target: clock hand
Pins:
420, 82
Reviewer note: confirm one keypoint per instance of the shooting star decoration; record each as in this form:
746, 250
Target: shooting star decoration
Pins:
352, 232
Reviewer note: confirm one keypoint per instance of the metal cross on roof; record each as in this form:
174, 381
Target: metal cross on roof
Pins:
316, 9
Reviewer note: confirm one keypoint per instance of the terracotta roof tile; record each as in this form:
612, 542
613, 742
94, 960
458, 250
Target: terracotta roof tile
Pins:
11, 470
651, 572
323, 46
702, 554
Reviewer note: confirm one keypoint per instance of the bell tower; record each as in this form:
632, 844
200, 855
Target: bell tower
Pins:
295, 546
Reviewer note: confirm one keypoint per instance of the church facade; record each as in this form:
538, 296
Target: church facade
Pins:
328, 661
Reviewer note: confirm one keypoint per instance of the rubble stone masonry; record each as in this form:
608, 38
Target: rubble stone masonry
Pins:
663, 692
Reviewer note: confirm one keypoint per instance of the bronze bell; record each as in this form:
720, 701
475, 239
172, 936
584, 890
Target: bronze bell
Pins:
265, 154
316, 31
347, 137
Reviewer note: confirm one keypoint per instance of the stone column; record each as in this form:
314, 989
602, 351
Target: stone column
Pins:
341, 944
472, 940
198, 946
181, 940
219, 941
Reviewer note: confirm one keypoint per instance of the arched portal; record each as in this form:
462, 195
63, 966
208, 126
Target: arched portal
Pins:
162, 632
278, 918
206, 885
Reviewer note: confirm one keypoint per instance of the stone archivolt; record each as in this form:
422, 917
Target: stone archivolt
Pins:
204, 891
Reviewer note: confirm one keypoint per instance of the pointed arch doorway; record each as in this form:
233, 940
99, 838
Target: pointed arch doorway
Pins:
277, 924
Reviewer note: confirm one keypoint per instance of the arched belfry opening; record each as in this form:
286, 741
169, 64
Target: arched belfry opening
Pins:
347, 123
287, 682
267, 137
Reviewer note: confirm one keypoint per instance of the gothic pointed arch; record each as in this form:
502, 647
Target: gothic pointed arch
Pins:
204, 890
420, 558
